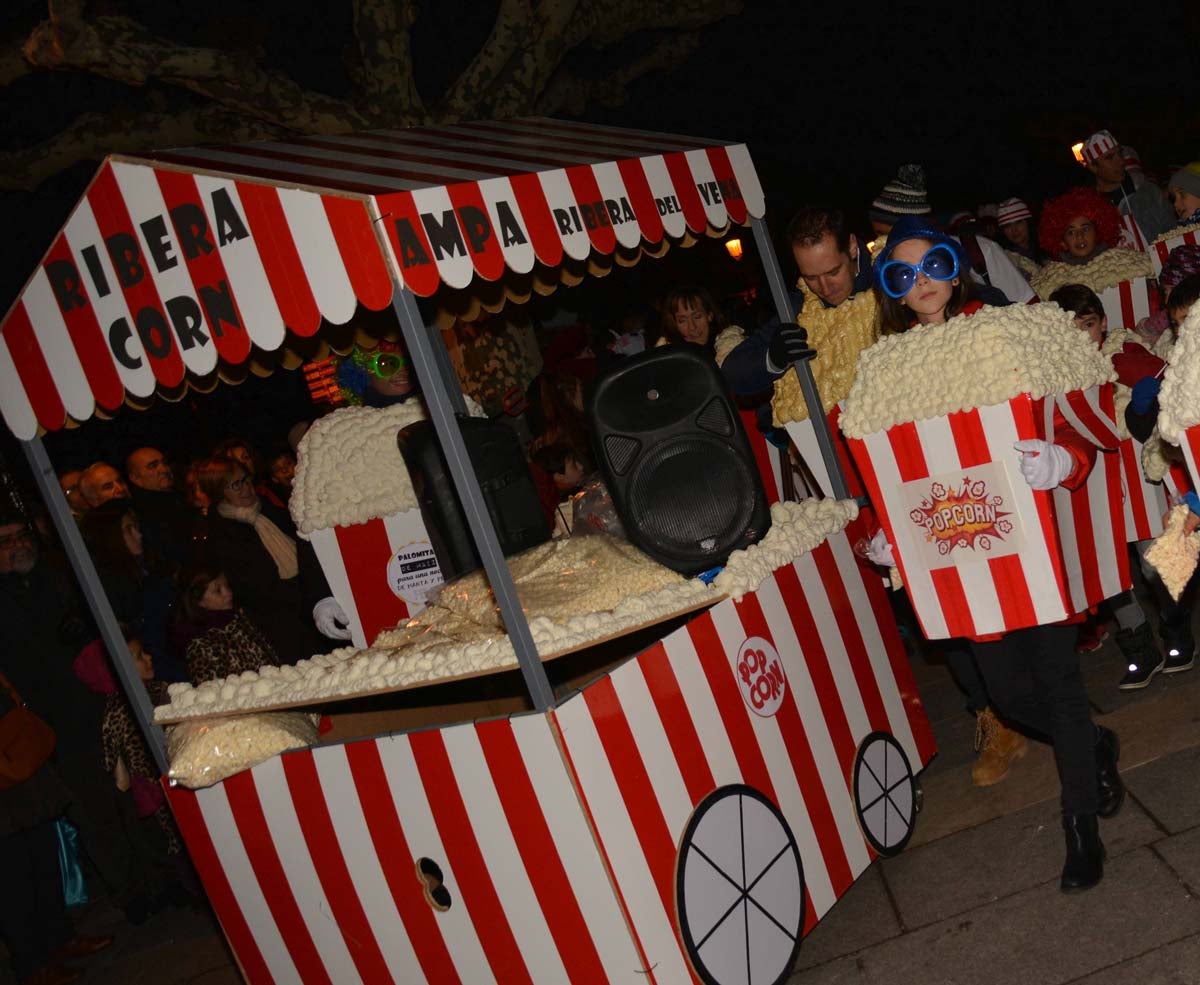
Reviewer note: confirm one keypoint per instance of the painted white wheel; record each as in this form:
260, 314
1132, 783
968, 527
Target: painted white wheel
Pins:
739, 890
885, 793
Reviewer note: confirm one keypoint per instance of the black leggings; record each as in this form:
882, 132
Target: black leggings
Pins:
1033, 678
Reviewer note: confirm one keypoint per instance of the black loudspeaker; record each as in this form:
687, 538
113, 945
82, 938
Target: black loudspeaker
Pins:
508, 490
676, 459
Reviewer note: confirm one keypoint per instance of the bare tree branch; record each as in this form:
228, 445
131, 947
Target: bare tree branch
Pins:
509, 34
13, 63
519, 69
96, 135
565, 24
566, 93
383, 29
607, 21
121, 49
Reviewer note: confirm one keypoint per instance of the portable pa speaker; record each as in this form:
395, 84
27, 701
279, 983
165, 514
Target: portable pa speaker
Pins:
508, 490
676, 459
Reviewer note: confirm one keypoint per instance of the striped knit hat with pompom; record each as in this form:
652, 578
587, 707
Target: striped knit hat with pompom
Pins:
903, 195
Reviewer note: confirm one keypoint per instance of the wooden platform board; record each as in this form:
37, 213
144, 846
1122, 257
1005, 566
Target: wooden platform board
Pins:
374, 692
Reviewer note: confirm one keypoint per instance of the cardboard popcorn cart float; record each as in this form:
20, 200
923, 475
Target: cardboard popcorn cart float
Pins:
683, 811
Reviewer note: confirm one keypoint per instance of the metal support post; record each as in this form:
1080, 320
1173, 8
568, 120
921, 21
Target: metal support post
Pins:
435, 387
808, 386
93, 593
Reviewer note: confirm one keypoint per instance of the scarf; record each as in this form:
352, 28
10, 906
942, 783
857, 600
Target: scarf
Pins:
839, 335
279, 545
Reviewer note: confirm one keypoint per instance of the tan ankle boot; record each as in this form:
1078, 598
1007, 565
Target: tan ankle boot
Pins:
997, 746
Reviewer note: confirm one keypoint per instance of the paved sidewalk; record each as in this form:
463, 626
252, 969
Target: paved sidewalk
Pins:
975, 898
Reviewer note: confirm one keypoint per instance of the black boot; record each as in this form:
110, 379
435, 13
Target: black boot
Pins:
1084, 867
1142, 659
1110, 786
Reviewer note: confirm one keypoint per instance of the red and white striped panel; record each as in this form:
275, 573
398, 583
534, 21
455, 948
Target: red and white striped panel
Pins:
1127, 303
1160, 251
1091, 520
766, 457
159, 272
661, 732
1145, 501
804, 437
355, 560
989, 594
310, 862
1189, 444
1091, 525
1132, 237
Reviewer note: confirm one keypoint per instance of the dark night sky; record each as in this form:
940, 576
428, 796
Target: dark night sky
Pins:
829, 99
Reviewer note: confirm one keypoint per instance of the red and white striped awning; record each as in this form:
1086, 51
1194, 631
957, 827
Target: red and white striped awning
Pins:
179, 261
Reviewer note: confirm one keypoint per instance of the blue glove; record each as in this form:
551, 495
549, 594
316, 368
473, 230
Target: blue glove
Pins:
1144, 392
1193, 502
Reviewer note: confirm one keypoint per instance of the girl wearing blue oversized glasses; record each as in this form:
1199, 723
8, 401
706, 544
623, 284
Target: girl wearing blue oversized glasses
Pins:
920, 278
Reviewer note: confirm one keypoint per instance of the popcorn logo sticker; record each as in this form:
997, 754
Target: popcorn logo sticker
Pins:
963, 517
413, 571
760, 676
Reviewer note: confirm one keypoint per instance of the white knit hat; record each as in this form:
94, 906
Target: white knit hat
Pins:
1012, 210
1097, 145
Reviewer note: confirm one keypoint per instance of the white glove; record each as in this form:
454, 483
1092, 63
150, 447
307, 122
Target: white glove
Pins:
331, 619
879, 551
1044, 465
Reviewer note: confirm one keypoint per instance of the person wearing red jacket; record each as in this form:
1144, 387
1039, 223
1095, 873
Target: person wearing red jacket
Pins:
1032, 675
1135, 366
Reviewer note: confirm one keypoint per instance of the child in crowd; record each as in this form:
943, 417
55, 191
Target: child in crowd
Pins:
1079, 226
1032, 675
921, 277
1133, 362
276, 489
1184, 191
219, 639
129, 761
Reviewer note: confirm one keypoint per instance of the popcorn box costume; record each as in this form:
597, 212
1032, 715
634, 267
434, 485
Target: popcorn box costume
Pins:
1162, 247
1179, 398
1122, 278
352, 497
980, 552
563, 844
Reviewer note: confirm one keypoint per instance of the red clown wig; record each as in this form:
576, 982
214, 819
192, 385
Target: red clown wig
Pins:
1058, 213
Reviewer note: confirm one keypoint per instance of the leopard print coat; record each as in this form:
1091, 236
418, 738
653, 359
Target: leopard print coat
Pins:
231, 649
123, 740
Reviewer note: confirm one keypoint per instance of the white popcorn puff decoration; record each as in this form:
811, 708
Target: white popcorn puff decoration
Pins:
1179, 398
1173, 554
204, 753
1104, 271
349, 468
443, 644
1178, 231
971, 361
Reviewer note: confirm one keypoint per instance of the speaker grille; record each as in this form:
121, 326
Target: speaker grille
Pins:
621, 452
715, 418
692, 498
